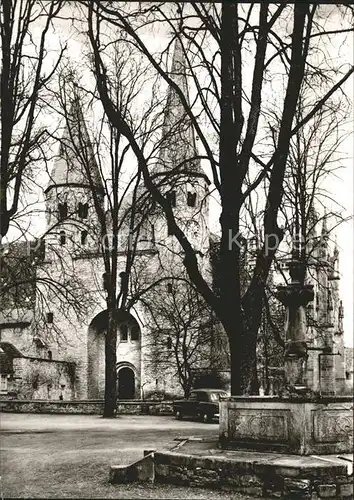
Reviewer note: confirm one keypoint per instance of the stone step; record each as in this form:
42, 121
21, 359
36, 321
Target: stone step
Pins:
257, 474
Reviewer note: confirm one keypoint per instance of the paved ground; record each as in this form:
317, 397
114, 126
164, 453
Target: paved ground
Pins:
68, 456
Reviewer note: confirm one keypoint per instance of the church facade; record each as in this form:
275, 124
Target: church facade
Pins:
69, 319
54, 345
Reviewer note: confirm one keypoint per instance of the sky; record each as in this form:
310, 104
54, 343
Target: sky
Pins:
339, 187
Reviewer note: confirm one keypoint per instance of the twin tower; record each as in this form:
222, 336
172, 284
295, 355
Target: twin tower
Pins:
76, 329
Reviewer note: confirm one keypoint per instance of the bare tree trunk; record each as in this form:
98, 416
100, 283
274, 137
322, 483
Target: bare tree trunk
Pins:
110, 396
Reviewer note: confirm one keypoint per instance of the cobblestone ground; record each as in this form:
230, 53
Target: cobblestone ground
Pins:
68, 456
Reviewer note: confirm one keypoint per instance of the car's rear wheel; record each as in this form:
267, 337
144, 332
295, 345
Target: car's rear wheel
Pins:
178, 414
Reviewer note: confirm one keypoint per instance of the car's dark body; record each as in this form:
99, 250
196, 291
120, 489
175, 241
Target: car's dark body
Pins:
202, 404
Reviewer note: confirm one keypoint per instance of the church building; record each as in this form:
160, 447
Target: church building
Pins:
65, 337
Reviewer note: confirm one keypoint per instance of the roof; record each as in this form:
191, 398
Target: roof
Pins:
7, 353
69, 168
10, 350
178, 144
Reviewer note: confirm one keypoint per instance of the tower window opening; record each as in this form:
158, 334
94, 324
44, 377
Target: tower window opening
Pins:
106, 279
83, 237
123, 333
171, 198
50, 355
169, 287
169, 343
83, 210
191, 199
50, 317
62, 238
134, 333
63, 210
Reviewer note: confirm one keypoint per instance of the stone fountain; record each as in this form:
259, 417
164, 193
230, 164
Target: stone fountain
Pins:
299, 421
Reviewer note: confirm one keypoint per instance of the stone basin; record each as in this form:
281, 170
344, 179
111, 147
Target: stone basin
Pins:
301, 426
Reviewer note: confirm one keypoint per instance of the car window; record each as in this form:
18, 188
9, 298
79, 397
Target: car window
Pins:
202, 396
215, 396
193, 397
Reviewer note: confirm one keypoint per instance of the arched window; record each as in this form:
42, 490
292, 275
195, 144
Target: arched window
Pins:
62, 238
83, 237
123, 332
83, 210
191, 199
63, 210
134, 333
169, 343
50, 317
169, 287
50, 355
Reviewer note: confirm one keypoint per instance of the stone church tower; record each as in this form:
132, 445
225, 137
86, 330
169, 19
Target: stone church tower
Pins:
73, 324
325, 315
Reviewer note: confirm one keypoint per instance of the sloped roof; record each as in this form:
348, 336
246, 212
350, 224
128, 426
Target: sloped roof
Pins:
7, 353
69, 167
178, 142
10, 350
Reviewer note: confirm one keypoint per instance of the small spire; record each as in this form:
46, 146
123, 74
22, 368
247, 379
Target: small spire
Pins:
335, 275
324, 232
311, 235
324, 238
312, 222
336, 250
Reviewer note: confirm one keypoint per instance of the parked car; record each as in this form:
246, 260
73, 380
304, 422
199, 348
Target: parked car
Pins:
201, 403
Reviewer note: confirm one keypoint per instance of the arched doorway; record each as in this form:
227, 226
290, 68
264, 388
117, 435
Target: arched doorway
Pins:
126, 383
128, 355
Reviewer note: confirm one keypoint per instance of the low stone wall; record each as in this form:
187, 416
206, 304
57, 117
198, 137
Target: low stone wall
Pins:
89, 407
254, 478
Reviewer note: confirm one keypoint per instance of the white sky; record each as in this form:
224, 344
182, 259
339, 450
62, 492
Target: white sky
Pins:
340, 188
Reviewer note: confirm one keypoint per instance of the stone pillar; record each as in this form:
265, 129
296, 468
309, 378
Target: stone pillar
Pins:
326, 358
327, 376
295, 297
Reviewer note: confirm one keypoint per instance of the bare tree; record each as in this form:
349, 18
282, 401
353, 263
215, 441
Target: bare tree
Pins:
313, 162
182, 329
235, 112
25, 28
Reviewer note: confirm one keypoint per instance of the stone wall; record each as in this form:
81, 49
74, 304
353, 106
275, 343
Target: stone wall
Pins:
36, 378
89, 407
254, 478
